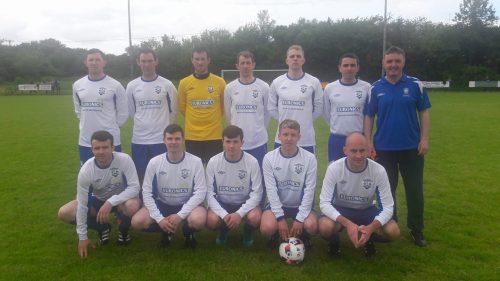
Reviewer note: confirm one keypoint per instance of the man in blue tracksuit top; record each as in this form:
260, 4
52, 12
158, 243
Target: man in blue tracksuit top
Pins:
402, 138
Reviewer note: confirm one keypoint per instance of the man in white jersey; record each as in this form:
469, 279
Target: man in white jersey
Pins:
298, 96
100, 104
356, 195
235, 189
344, 103
290, 178
107, 182
152, 102
173, 191
245, 102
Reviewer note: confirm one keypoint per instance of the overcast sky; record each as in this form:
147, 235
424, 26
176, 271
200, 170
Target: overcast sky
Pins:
103, 24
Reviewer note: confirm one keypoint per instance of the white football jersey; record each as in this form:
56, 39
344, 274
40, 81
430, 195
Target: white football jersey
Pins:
100, 105
153, 105
181, 183
344, 106
116, 184
290, 181
297, 99
245, 106
356, 190
234, 183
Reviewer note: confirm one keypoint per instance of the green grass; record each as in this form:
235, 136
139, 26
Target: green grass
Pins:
39, 165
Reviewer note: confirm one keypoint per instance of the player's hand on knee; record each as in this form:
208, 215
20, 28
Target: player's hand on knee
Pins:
283, 229
173, 221
164, 225
353, 233
364, 233
232, 220
297, 229
104, 211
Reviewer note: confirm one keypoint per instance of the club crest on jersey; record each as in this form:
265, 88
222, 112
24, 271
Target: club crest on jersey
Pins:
303, 88
367, 183
359, 94
221, 172
299, 168
210, 89
158, 89
242, 174
277, 168
255, 94
162, 173
406, 92
185, 173
115, 172
102, 91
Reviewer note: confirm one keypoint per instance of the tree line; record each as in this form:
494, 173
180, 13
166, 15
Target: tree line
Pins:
468, 49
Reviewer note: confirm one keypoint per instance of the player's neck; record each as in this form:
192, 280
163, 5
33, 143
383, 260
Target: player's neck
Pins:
233, 157
96, 76
175, 156
393, 79
295, 73
289, 152
201, 75
247, 79
149, 76
348, 80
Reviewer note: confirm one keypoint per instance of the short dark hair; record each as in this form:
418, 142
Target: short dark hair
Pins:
349, 55
395, 50
96, 51
200, 49
232, 132
289, 123
246, 54
173, 128
102, 136
146, 51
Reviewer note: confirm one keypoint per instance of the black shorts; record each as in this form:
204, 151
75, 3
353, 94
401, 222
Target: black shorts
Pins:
204, 149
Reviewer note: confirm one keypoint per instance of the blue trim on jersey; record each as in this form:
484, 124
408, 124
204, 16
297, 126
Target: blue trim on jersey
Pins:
254, 79
236, 161
171, 162
379, 200
215, 187
144, 80
303, 74
312, 100
114, 101
124, 177
297, 152
334, 194
169, 103
354, 172
347, 84
133, 99
97, 80
154, 185
79, 100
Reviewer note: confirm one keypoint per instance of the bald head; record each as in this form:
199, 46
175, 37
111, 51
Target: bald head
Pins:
356, 151
356, 137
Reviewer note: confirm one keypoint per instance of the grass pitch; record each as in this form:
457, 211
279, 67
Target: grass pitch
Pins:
39, 165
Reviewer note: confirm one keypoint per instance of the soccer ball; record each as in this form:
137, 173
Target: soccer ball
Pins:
292, 250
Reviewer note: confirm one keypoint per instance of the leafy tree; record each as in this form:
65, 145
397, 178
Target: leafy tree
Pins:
476, 13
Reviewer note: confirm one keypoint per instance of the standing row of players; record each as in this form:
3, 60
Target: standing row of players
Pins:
400, 142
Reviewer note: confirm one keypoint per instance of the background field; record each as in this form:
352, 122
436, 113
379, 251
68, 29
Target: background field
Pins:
39, 164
